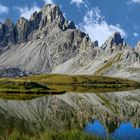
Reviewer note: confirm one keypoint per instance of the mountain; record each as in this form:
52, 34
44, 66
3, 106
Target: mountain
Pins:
48, 43
44, 42
114, 58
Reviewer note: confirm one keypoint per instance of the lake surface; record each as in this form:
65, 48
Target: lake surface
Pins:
125, 131
115, 114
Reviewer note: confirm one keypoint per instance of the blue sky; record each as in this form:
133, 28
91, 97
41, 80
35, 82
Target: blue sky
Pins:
98, 18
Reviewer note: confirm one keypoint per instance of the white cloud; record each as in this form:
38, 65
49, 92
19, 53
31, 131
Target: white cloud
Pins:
26, 11
77, 2
48, 1
3, 9
134, 1
97, 27
135, 34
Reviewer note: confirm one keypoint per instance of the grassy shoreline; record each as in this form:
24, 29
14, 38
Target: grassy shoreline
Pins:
47, 84
84, 83
78, 79
64, 135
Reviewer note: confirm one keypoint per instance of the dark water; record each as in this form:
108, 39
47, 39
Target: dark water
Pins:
125, 131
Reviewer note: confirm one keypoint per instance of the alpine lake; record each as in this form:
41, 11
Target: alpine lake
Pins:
102, 112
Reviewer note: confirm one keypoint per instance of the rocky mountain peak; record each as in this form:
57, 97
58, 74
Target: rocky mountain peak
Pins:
51, 14
8, 22
8, 31
49, 18
96, 43
53, 11
137, 48
114, 40
138, 45
21, 21
1, 30
117, 39
22, 28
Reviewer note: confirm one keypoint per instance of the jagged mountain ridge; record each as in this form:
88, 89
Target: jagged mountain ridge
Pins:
24, 30
54, 41
48, 43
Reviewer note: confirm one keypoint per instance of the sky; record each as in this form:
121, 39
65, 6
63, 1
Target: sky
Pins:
98, 18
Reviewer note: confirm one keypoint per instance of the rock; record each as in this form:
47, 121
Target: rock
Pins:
39, 25
71, 25
138, 46
1, 31
114, 40
51, 14
46, 41
95, 43
9, 32
13, 72
21, 29
35, 20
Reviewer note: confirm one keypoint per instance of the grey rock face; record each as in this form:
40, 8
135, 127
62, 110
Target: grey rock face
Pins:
1, 30
2, 38
21, 29
13, 72
138, 47
9, 32
24, 30
47, 52
51, 13
114, 40
96, 44
117, 39
46, 41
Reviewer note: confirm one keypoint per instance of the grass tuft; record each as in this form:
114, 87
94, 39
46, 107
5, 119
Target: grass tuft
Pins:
65, 135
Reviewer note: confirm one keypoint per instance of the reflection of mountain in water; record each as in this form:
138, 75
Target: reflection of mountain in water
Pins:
71, 110
125, 131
